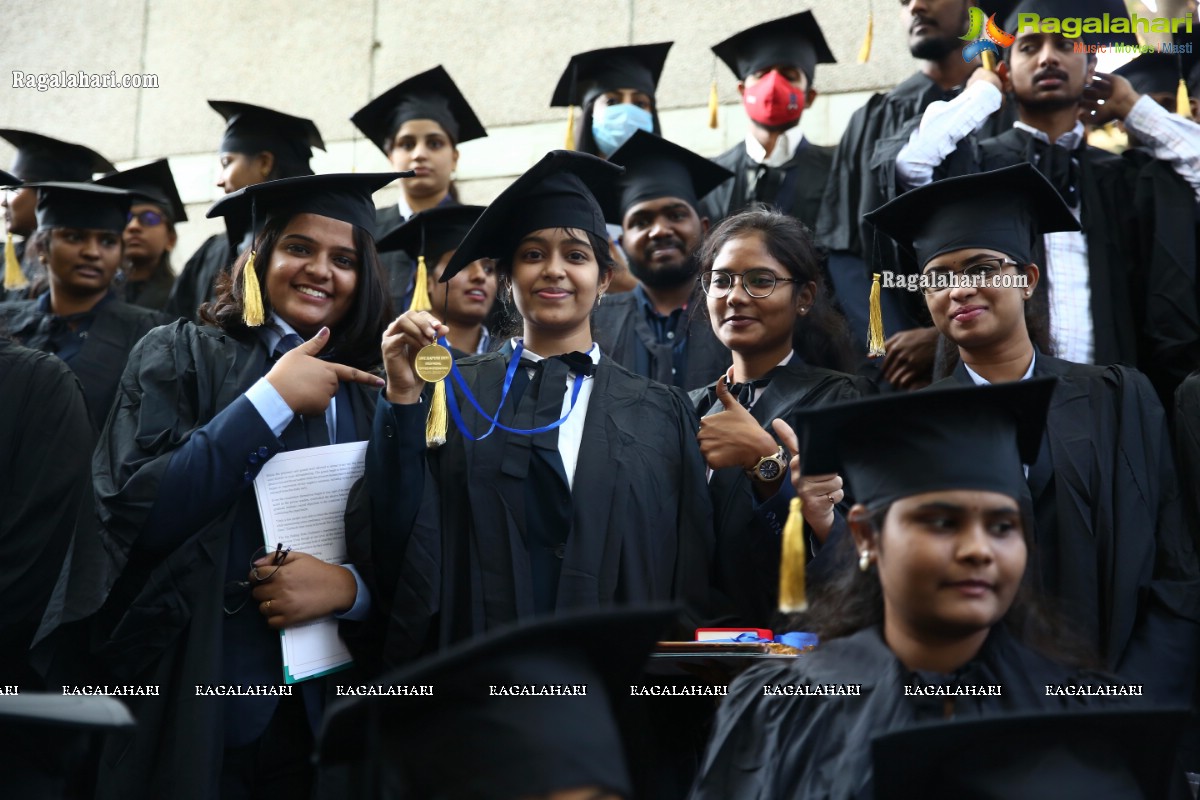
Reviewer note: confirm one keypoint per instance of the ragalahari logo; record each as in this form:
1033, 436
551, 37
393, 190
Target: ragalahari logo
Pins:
984, 35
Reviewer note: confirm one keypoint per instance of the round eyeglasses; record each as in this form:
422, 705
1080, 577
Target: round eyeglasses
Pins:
980, 275
758, 283
147, 219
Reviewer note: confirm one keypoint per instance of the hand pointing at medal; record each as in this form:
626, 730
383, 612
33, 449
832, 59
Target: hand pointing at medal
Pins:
402, 340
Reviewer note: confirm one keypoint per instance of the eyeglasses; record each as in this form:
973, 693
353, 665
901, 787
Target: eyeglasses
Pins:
237, 593
758, 283
147, 219
981, 274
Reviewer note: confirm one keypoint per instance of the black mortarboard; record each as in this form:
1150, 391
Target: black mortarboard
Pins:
559, 191
8, 181
1005, 210
253, 129
899, 445
61, 204
341, 196
657, 168
40, 158
1082, 9
431, 233
796, 41
515, 745
1157, 73
1104, 755
430, 95
591, 74
150, 183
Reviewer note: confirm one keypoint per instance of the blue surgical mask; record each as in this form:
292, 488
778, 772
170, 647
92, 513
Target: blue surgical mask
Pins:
618, 124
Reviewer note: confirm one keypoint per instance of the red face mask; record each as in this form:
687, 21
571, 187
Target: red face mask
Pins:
773, 101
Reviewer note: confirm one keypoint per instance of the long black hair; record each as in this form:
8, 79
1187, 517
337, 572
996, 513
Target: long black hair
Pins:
355, 340
821, 337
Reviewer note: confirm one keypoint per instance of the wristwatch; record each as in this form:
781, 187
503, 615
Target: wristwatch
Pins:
769, 468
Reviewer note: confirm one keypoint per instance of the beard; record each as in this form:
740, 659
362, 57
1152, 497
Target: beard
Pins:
934, 49
667, 276
1046, 104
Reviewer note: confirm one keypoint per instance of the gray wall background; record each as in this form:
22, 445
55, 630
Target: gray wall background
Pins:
323, 60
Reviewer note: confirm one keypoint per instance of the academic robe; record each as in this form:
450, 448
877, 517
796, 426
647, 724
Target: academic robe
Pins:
1187, 445
160, 614
196, 285
445, 529
623, 332
45, 465
776, 747
397, 265
1110, 541
748, 532
117, 327
801, 186
151, 293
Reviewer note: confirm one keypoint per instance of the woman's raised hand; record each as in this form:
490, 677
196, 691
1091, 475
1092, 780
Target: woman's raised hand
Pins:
306, 383
402, 340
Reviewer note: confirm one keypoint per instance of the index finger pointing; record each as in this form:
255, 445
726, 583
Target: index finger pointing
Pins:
353, 375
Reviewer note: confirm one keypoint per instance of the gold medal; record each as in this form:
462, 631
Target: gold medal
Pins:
433, 363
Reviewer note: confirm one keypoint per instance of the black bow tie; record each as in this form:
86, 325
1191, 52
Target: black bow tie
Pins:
579, 363
745, 392
1058, 165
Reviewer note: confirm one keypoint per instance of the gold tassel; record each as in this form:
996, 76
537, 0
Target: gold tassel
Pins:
792, 594
1183, 104
875, 338
570, 128
13, 277
253, 313
439, 418
989, 60
713, 102
864, 52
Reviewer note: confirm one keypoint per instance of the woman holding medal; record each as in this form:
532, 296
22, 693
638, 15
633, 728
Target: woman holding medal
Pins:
565, 481
281, 360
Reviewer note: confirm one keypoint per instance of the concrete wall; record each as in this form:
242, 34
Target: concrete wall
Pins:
324, 58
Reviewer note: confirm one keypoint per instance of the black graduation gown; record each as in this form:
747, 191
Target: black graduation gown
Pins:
1187, 445
397, 266
1111, 543
45, 453
802, 184
151, 293
641, 528
623, 332
196, 285
747, 555
161, 620
769, 747
98, 365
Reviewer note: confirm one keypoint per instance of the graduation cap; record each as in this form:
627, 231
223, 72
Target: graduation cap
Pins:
557, 192
595, 72
150, 183
430, 95
1105, 755
86, 206
341, 196
8, 181
657, 168
432, 233
515, 745
796, 41
1161, 73
1062, 9
898, 445
41, 158
253, 129
1005, 209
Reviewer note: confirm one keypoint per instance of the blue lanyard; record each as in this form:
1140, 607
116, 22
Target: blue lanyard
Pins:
452, 401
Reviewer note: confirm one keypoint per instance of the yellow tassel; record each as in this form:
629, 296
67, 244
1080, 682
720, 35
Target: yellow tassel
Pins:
792, 594
713, 101
1183, 105
864, 52
253, 313
875, 336
421, 301
989, 60
13, 277
570, 128
435, 425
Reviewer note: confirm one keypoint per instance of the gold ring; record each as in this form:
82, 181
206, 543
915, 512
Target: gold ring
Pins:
829, 497
268, 605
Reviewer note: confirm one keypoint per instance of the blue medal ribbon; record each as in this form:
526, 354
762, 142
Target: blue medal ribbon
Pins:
514, 364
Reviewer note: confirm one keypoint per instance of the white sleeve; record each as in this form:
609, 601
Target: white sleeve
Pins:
1173, 138
943, 125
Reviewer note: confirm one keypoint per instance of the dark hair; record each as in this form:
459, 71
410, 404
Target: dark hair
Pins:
1037, 325
356, 338
509, 323
852, 600
821, 337
585, 142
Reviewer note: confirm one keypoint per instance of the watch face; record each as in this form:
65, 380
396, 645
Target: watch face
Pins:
769, 470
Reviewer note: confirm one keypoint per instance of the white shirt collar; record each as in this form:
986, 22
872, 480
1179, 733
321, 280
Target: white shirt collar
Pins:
785, 147
594, 353
979, 380
405, 209
1069, 140
274, 330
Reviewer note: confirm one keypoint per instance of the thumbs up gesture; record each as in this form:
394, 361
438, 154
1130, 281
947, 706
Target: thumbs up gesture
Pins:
820, 494
733, 438
306, 383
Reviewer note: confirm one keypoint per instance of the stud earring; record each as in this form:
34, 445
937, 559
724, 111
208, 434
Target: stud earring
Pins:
864, 560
